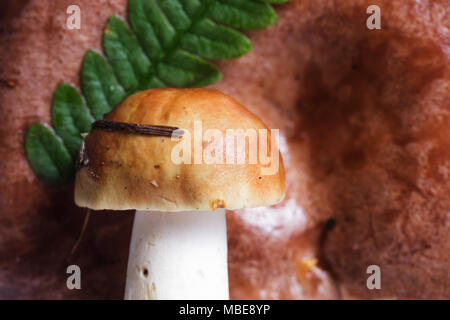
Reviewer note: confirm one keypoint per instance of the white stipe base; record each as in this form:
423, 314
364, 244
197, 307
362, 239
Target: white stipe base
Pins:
180, 255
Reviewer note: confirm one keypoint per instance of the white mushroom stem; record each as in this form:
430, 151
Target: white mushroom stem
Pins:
180, 255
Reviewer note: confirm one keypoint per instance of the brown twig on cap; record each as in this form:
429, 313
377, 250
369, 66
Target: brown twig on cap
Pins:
154, 130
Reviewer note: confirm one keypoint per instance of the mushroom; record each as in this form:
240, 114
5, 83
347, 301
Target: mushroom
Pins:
178, 248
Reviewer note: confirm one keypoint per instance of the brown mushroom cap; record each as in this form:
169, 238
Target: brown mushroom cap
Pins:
134, 171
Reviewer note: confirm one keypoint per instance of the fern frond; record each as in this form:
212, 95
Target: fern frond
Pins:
169, 43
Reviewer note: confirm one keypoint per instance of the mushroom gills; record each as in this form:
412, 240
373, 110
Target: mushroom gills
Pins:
178, 255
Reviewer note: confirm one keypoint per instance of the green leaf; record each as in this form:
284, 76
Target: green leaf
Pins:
70, 117
100, 86
47, 155
213, 41
192, 7
143, 29
183, 69
242, 14
169, 44
152, 26
126, 56
175, 14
